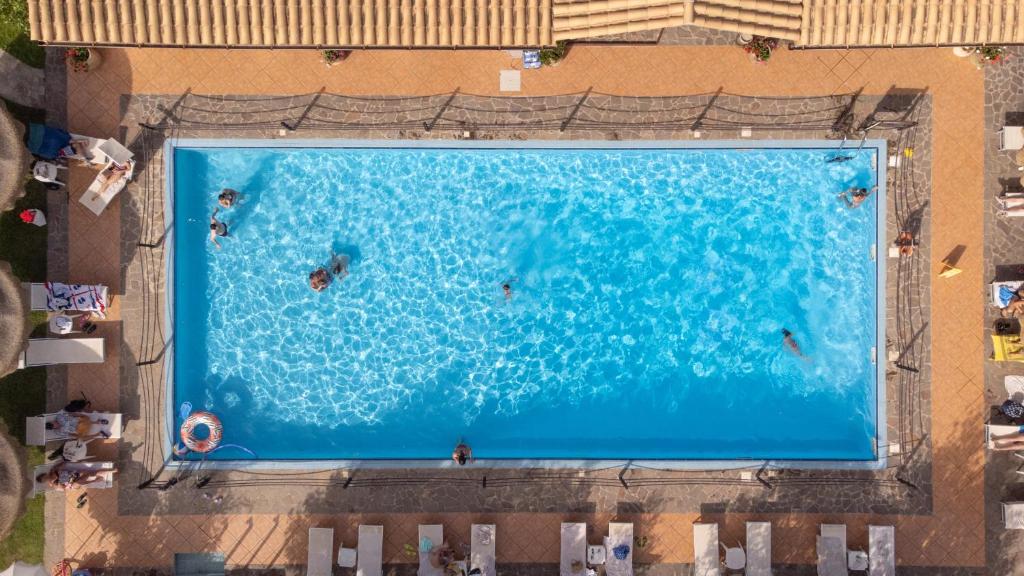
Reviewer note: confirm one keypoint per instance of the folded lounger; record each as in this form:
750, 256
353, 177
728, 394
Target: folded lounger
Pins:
97, 201
705, 550
36, 433
431, 536
619, 534
881, 551
104, 469
574, 548
832, 550
481, 549
1002, 292
321, 552
370, 551
58, 297
48, 351
759, 549
1013, 515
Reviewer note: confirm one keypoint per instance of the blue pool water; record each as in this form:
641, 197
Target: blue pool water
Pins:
649, 291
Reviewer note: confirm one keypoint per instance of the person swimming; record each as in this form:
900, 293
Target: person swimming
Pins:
790, 342
321, 278
227, 197
507, 289
855, 196
217, 228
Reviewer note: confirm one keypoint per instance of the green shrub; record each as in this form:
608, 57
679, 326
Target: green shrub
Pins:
551, 56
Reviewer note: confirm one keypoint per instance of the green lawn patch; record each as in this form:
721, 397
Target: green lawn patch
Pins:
25, 542
14, 34
24, 245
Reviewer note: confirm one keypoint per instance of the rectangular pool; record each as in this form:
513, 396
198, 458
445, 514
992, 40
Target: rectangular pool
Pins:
648, 287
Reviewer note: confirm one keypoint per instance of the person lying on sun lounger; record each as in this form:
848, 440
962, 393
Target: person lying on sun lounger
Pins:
73, 424
1012, 441
110, 176
1015, 306
62, 478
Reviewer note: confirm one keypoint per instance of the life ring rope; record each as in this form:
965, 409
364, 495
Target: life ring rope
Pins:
201, 445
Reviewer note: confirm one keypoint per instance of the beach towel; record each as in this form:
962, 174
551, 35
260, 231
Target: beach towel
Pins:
80, 297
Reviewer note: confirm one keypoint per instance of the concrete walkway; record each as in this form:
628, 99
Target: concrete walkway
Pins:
22, 83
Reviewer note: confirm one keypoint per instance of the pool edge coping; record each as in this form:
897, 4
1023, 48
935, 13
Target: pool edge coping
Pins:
880, 165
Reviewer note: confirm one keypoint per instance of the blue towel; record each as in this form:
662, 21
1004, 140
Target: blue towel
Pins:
1005, 295
621, 551
46, 141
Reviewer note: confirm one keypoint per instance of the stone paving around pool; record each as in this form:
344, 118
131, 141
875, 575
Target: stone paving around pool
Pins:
934, 493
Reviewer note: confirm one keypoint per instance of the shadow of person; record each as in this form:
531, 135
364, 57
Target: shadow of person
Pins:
347, 250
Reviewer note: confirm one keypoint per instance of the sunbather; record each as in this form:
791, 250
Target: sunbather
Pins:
73, 424
110, 176
855, 196
217, 228
75, 149
62, 477
1011, 441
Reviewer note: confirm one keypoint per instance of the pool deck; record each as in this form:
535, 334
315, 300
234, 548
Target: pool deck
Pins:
260, 527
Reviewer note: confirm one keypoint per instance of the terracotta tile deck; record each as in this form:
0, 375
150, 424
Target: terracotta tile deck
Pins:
954, 535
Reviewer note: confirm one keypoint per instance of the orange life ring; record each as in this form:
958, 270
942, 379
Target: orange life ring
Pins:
188, 428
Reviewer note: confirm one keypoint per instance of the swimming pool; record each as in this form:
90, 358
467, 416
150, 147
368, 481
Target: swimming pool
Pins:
649, 284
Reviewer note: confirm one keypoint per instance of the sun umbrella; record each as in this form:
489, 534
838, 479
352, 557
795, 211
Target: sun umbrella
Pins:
14, 159
13, 320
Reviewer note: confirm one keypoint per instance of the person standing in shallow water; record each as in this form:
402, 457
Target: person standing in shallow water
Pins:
462, 454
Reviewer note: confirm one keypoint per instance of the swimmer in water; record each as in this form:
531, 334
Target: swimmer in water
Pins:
227, 197
790, 342
217, 228
507, 288
855, 196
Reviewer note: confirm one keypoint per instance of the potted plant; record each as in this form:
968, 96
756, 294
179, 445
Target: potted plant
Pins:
82, 59
333, 56
989, 55
552, 56
760, 48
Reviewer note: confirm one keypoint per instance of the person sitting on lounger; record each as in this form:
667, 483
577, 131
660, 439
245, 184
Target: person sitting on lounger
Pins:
227, 197
75, 149
1010, 206
62, 478
217, 228
855, 196
1011, 441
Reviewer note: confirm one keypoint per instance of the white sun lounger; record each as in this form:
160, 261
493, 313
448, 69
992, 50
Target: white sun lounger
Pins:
321, 551
96, 201
994, 431
832, 550
434, 533
58, 297
36, 433
49, 351
705, 550
759, 549
370, 551
881, 551
105, 471
574, 548
481, 548
619, 534
1013, 515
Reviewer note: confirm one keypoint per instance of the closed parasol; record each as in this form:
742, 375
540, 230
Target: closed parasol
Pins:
13, 320
14, 159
